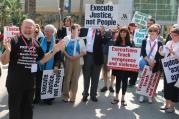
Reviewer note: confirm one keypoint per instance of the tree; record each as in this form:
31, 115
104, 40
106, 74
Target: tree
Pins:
81, 11
30, 8
12, 12
99, 1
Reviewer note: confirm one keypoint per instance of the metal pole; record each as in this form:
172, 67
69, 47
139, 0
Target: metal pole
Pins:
69, 9
59, 12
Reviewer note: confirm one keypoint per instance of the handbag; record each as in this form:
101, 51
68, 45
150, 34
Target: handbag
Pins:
142, 61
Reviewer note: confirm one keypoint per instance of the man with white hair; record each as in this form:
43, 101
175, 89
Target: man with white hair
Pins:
22, 53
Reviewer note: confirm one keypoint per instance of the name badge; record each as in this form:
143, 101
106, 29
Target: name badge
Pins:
34, 68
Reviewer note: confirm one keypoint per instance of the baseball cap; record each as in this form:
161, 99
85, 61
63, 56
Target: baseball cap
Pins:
175, 30
175, 26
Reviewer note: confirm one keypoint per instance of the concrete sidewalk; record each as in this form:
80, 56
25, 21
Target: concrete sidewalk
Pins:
102, 109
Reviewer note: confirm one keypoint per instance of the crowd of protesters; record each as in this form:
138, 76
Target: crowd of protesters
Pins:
79, 50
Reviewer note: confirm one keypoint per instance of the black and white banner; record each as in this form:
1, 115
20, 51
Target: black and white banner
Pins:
51, 84
101, 14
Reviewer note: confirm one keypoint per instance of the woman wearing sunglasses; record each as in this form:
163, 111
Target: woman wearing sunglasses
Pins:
149, 52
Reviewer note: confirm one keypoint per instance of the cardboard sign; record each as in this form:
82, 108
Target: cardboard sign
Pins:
139, 35
171, 69
124, 58
125, 12
51, 84
10, 31
101, 14
141, 18
148, 82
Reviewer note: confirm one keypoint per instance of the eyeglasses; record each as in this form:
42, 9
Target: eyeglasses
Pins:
172, 34
150, 30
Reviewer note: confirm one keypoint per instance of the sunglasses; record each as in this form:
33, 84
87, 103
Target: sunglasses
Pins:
150, 30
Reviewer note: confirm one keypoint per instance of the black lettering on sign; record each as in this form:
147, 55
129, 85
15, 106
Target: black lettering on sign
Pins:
124, 16
55, 92
50, 84
90, 22
44, 85
101, 8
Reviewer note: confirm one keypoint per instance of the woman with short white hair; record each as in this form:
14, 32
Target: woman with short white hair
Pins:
47, 44
170, 91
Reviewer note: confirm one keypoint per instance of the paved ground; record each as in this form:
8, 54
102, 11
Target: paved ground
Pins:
91, 110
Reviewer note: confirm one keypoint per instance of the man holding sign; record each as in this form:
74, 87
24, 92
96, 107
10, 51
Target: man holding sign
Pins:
22, 53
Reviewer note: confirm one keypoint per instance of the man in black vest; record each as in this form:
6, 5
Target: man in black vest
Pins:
22, 53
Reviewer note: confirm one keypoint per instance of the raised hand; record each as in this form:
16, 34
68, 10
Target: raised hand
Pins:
59, 46
7, 44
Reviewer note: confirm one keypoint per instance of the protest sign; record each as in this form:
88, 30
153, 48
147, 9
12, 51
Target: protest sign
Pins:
123, 58
125, 12
101, 14
139, 35
141, 18
148, 82
178, 16
10, 31
51, 84
171, 69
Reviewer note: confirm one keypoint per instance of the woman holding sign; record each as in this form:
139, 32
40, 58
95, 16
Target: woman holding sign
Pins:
47, 43
123, 40
170, 91
150, 54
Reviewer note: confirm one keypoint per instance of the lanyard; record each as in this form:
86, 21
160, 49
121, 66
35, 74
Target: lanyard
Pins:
151, 48
171, 46
28, 46
93, 33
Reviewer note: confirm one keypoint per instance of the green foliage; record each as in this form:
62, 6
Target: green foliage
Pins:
12, 12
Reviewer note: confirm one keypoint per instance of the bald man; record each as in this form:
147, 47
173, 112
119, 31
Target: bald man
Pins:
22, 53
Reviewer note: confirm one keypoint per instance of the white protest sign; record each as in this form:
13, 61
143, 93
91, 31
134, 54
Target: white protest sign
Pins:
148, 82
51, 84
178, 16
171, 69
125, 12
141, 18
10, 31
101, 14
124, 58
139, 35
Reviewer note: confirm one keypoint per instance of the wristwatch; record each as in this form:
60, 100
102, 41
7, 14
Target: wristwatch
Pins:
51, 52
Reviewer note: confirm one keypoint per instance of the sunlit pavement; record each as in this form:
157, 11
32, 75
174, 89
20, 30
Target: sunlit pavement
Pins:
102, 109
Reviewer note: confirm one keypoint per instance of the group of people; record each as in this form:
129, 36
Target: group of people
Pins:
78, 50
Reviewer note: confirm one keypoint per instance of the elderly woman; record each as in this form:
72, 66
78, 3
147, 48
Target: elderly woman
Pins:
170, 91
150, 53
47, 44
74, 51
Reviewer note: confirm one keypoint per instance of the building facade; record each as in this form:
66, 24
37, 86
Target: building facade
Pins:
164, 11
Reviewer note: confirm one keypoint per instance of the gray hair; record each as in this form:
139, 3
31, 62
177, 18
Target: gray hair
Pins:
29, 21
50, 28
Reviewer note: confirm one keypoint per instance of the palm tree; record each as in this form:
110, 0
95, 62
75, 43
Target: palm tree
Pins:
61, 8
12, 12
30, 8
81, 11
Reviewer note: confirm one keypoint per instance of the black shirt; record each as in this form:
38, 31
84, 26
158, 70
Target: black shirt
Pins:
23, 54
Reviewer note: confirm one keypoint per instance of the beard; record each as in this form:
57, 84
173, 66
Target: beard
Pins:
28, 36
